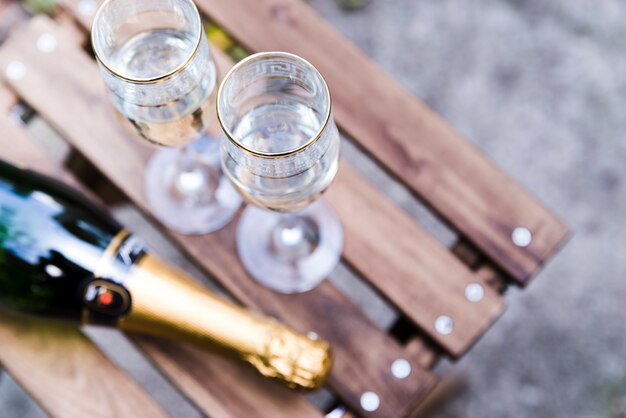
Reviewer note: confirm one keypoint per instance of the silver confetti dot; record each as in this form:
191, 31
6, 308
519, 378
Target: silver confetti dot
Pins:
370, 401
522, 237
16, 70
401, 368
474, 292
46, 43
444, 325
87, 7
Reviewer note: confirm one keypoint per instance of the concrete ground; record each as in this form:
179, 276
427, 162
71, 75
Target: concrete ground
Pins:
539, 86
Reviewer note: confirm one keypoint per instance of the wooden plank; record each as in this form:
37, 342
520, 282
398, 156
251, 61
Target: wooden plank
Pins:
221, 387
438, 278
56, 363
83, 11
7, 101
66, 374
407, 138
75, 105
73, 30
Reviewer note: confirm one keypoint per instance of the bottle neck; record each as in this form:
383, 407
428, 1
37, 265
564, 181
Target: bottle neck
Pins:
138, 292
144, 295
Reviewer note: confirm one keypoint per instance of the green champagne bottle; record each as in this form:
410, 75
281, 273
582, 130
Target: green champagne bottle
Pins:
64, 258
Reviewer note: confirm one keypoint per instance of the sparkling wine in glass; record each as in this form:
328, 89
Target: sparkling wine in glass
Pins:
156, 63
281, 152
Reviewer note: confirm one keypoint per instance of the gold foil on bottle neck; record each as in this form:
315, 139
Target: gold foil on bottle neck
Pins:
167, 303
294, 358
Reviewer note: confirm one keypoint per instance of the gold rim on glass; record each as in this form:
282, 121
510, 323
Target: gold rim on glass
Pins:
170, 73
258, 57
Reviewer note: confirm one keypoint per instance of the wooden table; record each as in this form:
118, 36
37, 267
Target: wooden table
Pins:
447, 297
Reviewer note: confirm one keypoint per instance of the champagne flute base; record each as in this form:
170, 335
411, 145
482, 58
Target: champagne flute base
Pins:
290, 253
196, 199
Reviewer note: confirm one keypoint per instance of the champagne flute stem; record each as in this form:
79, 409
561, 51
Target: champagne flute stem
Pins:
295, 236
197, 179
190, 179
188, 158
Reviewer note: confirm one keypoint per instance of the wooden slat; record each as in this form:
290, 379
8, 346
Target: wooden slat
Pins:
67, 374
221, 387
56, 363
7, 101
84, 15
438, 278
74, 103
410, 140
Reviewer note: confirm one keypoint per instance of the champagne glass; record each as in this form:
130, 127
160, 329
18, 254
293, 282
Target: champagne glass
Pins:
281, 152
156, 63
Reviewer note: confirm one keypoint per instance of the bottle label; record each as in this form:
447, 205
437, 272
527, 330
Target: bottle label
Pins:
106, 298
